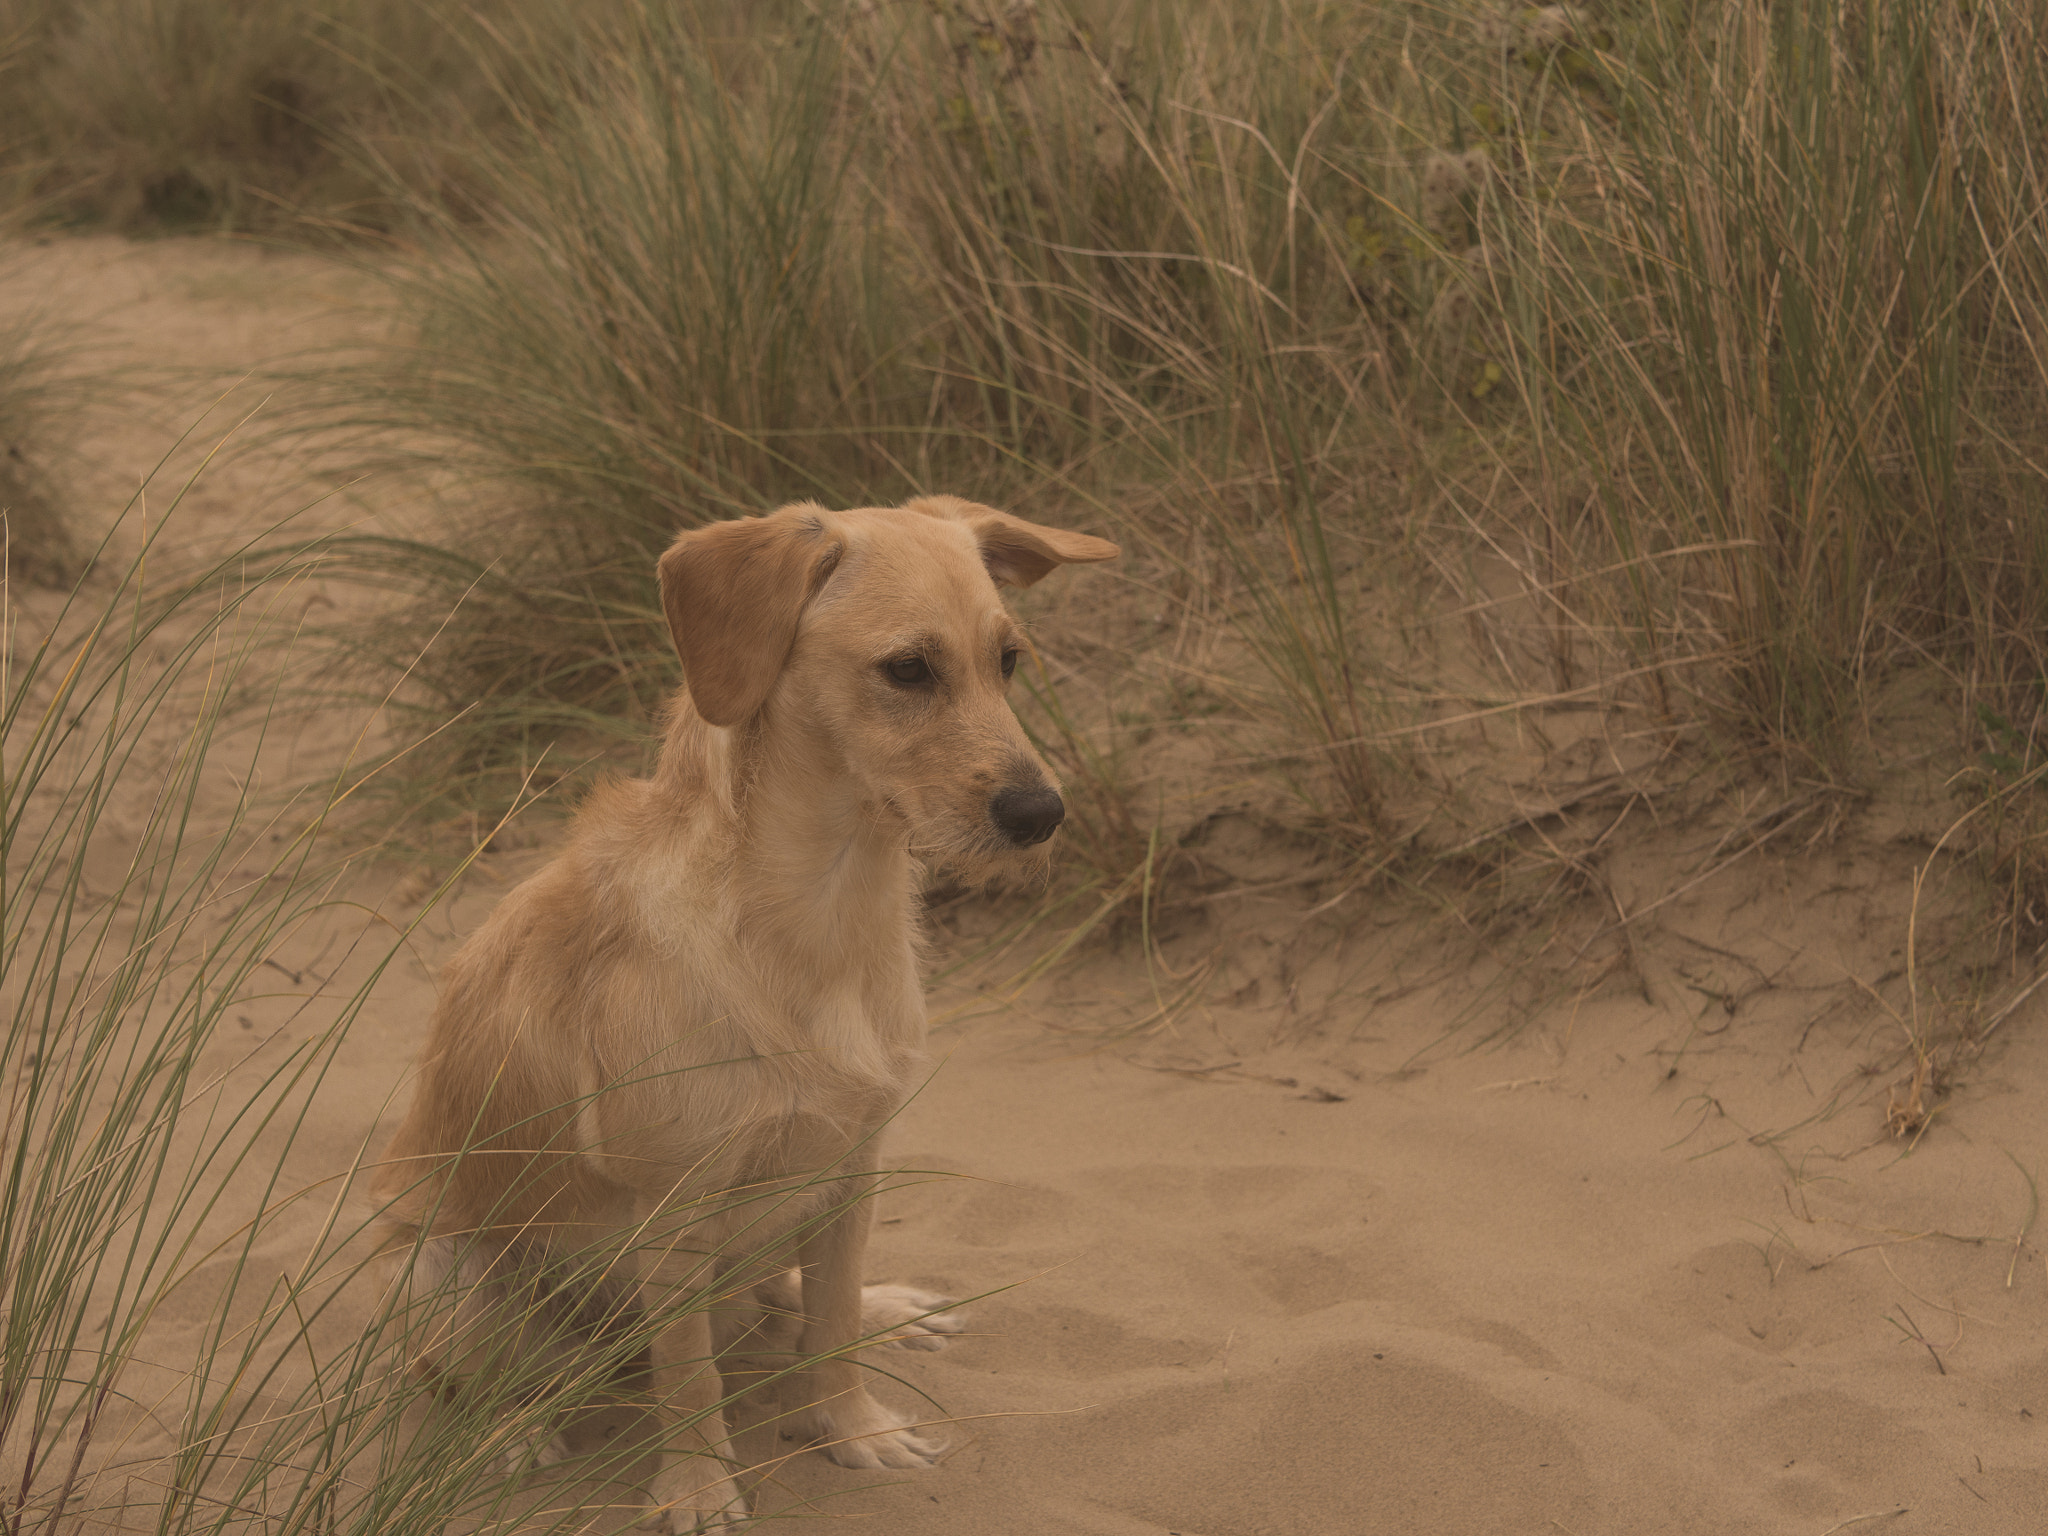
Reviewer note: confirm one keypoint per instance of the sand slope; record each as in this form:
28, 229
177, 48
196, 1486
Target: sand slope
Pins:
1445, 1305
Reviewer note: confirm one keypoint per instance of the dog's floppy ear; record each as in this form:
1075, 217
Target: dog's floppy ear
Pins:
733, 593
1017, 553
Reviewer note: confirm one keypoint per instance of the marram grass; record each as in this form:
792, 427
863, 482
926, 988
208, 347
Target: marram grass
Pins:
1708, 340
1715, 331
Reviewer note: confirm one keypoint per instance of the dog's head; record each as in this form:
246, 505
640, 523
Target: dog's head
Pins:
874, 644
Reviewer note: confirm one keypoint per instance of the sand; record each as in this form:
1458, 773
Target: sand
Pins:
1370, 1232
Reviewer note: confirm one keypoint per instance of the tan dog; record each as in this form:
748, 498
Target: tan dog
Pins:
676, 1044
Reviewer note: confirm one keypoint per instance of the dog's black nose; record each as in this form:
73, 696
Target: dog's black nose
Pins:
1028, 816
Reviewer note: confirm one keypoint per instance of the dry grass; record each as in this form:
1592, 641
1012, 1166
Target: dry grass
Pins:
1441, 367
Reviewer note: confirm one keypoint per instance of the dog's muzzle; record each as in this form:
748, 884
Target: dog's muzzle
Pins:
1027, 817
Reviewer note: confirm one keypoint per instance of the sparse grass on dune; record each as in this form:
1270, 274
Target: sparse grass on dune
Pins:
1690, 356
729, 274
131, 938
1723, 366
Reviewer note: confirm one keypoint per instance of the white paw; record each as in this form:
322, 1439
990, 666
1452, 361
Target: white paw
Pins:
691, 1494
898, 1448
857, 1431
907, 1318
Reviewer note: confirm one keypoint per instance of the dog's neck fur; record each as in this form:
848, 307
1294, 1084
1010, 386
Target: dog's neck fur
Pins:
841, 885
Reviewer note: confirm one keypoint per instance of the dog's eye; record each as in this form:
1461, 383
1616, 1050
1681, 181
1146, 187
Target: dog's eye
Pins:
1009, 662
908, 670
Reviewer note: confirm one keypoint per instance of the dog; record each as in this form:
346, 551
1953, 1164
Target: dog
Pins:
656, 1074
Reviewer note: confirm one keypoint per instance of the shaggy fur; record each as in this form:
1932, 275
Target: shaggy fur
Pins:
678, 1042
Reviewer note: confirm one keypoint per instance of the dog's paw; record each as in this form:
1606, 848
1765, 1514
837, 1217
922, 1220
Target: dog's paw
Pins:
906, 1318
685, 1502
857, 1431
900, 1449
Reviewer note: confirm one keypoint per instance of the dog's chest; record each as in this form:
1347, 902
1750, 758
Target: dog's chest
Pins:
858, 1034
815, 1138
855, 1055
855, 1058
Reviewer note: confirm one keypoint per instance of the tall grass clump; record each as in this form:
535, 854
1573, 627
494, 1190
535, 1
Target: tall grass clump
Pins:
1782, 322
1137, 278
739, 260
655, 310
145, 898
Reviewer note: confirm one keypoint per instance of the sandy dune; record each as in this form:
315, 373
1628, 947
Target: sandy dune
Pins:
1371, 1236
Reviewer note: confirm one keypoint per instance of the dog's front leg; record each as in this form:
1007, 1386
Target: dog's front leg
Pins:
694, 1490
839, 1416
